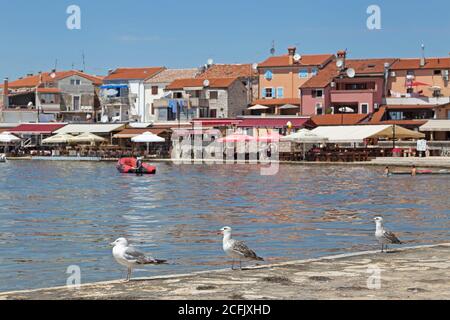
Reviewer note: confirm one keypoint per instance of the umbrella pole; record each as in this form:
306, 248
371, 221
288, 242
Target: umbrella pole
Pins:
148, 147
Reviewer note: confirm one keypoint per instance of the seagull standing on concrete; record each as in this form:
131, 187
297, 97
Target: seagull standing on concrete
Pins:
130, 257
384, 236
237, 250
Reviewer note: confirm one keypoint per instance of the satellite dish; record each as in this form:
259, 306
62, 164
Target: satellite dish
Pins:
255, 66
340, 63
53, 75
210, 62
297, 57
351, 73
206, 83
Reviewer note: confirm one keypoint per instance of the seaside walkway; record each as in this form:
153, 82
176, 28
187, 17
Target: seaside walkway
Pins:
406, 273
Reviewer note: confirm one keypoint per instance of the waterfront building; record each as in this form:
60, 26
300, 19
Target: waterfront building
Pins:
346, 86
155, 87
192, 98
64, 96
123, 94
280, 79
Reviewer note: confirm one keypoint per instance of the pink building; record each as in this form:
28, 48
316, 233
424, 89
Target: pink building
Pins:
346, 86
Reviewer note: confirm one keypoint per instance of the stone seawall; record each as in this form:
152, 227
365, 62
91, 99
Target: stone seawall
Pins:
404, 273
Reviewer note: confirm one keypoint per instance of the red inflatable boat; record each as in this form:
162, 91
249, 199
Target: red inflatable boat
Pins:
128, 165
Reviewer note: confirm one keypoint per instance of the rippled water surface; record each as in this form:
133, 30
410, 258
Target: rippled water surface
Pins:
53, 215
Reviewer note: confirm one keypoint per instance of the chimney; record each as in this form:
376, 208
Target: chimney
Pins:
6, 93
342, 54
291, 51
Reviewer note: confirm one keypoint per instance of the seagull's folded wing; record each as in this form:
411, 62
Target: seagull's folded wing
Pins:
133, 254
241, 248
391, 237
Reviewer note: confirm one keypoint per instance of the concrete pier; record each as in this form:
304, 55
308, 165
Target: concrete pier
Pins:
404, 273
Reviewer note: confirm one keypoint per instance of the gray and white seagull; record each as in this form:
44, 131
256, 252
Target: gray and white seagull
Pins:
237, 250
130, 257
384, 236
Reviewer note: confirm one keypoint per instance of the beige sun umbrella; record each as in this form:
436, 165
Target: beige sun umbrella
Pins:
87, 138
398, 132
60, 138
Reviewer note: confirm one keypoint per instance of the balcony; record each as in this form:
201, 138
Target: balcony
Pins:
417, 100
194, 103
345, 96
116, 101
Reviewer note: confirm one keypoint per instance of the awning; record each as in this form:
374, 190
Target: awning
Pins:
6, 137
58, 139
91, 128
278, 123
305, 136
134, 132
87, 138
258, 107
288, 107
114, 86
357, 134
37, 128
436, 125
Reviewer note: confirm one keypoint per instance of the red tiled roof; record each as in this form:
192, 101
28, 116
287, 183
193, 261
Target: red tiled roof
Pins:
37, 128
48, 90
338, 119
361, 67
414, 64
278, 102
306, 60
45, 77
180, 84
275, 122
133, 73
216, 122
323, 77
229, 71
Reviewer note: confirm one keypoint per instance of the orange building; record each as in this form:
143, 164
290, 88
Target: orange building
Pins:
280, 78
412, 78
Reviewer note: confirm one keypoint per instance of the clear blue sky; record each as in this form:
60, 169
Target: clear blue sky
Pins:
181, 33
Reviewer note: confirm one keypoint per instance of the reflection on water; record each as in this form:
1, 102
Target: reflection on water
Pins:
53, 215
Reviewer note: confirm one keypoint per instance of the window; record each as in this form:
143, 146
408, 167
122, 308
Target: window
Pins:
76, 103
410, 90
437, 72
303, 73
314, 71
364, 108
75, 82
154, 90
319, 109
280, 92
269, 93
410, 73
214, 95
178, 95
213, 113
317, 93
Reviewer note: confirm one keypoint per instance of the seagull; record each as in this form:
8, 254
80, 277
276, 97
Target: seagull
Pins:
130, 257
237, 250
384, 236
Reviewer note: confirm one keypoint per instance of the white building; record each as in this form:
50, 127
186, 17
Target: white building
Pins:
123, 95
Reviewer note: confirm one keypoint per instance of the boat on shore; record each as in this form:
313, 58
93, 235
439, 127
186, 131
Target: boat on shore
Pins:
129, 165
2, 158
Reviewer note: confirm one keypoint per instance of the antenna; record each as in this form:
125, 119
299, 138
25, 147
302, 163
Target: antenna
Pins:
272, 49
56, 64
422, 61
84, 62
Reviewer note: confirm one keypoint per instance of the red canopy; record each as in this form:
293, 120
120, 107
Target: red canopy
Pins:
36, 128
236, 138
